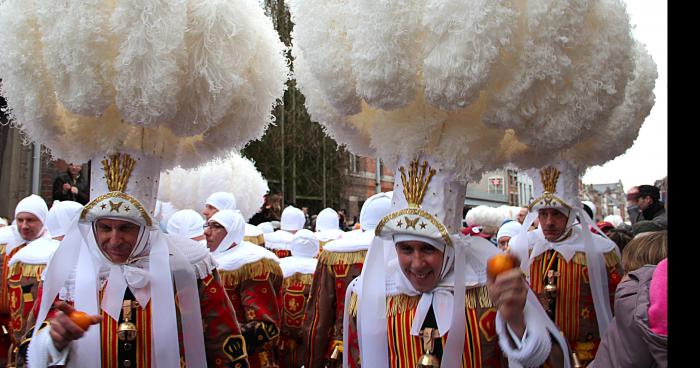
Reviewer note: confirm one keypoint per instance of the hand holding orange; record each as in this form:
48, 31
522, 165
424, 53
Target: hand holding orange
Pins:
82, 319
500, 263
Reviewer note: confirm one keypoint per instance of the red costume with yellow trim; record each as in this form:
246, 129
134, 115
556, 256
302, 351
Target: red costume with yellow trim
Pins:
323, 327
224, 343
572, 309
253, 289
481, 347
5, 299
24, 278
295, 291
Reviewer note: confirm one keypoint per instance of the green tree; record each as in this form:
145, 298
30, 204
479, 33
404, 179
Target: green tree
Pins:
295, 155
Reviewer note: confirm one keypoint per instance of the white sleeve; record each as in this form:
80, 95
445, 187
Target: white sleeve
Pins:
534, 347
43, 353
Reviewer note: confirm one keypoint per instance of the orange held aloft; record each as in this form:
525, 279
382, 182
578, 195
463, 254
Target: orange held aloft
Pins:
81, 319
500, 263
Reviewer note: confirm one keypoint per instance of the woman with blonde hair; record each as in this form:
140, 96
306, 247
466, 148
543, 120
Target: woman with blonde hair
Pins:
645, 248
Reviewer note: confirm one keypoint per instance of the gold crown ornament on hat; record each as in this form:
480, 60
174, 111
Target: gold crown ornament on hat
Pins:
549, 176
413, 214
126, 188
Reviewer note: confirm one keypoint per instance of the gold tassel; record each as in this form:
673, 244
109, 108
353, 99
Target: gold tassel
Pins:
231, 279
346, 258
303, 278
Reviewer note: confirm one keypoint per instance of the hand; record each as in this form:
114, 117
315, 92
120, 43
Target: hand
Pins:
508, 292
63, 329
66, 187
74, 190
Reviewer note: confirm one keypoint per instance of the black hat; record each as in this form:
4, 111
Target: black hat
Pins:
649, 190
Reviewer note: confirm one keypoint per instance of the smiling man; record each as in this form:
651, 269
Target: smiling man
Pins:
131, 300
424, 299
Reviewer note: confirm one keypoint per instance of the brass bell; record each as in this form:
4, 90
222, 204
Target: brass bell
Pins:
126, 331
576, 362
337, 350
551, 287
428, 361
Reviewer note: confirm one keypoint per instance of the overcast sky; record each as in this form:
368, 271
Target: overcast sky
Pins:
647, 160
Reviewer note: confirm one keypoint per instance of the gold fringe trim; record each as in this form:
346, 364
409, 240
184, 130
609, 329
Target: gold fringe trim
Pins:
396, 304
401, 303
258, 239
3, 246
231, 279
611, 258
297, 277
348, 258
352, 308
28, 270
479, 293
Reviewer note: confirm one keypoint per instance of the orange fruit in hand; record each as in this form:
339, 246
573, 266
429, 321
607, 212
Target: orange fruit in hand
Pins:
81, 319
501, 263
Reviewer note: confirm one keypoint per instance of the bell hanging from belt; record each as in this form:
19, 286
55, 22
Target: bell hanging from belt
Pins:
576, 362
551, 287
126, 330
428, 360
337, 350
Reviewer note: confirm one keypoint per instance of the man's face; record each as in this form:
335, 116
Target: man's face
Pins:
522, 214
305, 210
503, 242
209, 211
74, 169
29, 226
644, 201
552, 222
421, 263
116, 238
214, 233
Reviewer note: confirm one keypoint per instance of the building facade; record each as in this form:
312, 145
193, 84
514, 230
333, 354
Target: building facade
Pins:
609, 199
363, 182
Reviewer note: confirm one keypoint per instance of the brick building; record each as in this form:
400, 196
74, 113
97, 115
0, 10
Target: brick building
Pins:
363, 182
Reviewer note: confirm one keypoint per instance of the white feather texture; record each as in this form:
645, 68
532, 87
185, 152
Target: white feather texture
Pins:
471, 84
185, 80
189, 189
621, 130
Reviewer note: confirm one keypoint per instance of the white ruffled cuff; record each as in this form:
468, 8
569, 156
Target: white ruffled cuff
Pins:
534, 347
204, 267
43, 353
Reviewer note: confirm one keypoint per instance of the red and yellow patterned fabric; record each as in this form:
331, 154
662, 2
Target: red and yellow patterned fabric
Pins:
5, 316
574, 312
23, 282
481, 347
295, 292
254, 291
224, 343
323, 325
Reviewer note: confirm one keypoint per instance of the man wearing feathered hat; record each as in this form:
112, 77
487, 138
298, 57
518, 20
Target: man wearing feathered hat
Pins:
117, 265
573, 272
424, 298
252, 279
340, 262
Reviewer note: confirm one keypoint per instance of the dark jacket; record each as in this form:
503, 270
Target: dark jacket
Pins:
81, 182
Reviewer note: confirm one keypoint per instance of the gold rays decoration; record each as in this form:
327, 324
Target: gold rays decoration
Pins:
415, 185
117, 171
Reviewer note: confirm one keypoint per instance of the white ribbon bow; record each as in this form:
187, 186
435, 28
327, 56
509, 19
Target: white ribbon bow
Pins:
136, 276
